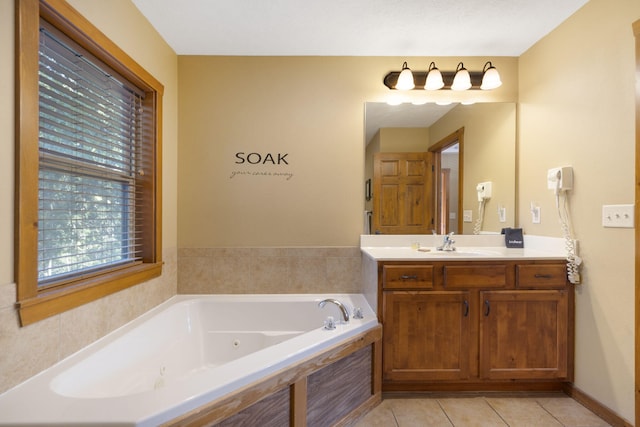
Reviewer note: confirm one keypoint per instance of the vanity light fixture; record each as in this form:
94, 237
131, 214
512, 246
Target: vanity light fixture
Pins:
405, 79
462, 78
434, 79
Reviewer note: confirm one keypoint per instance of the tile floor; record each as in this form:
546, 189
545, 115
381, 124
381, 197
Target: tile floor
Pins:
543, 410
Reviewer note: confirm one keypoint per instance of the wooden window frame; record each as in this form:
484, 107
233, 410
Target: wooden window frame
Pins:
35, 304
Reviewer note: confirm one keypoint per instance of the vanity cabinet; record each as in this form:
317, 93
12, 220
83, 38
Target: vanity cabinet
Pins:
524, 334
472, 325
427, 336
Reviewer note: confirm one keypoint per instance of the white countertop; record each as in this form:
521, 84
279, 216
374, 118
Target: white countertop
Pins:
468, 247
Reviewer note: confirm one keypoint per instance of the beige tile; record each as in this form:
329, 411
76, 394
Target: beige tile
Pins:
269, 270
158, 290
122, 308
7, 295
83, 325
269, 252
269, 274
170, 267
471, 412
308, 275
570, 413
230, 275
308, 252
239, 252
194, 275
343, 274
26, 350
194, 252
380, 416
522, 412
419, 413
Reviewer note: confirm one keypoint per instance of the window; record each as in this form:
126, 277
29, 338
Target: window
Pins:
88, 216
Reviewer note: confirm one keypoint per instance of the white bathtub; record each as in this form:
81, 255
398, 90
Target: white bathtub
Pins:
187, 352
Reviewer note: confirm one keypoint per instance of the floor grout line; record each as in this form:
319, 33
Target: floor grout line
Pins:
395, 419
496, 411
445, 413
549, 412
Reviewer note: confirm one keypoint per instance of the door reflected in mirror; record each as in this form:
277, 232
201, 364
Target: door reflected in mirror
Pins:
485, 137
447, 174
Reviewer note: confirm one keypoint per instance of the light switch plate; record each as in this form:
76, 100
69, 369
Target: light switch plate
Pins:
618, 216
467, 216
502, 214
535, 214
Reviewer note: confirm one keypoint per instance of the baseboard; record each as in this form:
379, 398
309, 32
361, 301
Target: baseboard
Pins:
594, 406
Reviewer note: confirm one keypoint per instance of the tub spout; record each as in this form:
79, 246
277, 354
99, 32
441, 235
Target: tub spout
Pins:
343, 309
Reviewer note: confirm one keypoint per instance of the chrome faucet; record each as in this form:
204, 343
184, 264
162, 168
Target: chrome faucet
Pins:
343, 309
447, 244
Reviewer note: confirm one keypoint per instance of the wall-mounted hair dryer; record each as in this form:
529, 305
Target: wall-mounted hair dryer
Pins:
484, 193
484, 190
560, 179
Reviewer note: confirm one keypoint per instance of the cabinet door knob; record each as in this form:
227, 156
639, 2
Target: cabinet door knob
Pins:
466, 308
487, 308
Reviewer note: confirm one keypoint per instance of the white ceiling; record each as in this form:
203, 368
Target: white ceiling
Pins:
358, 28
355, 27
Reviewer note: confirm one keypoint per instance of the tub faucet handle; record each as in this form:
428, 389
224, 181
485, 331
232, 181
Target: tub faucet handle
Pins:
357, 313
330, 323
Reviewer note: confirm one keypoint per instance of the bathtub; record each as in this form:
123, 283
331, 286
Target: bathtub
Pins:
181, 356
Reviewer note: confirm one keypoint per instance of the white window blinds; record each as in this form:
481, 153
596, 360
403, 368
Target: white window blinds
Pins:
91, 123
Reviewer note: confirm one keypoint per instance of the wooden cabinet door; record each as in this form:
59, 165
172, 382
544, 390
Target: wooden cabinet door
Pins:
403, 193
524, 334
426, 335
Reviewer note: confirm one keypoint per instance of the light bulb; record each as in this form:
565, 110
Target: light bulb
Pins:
462, 79
434, 78
405, 79
490, 77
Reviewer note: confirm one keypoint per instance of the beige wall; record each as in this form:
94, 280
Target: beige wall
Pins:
577, 108
403, 140
311, 108
38, 346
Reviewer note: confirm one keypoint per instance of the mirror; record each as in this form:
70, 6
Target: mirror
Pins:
487, 133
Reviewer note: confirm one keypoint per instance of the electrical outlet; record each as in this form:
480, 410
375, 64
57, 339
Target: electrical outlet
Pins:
467, 216
618, 216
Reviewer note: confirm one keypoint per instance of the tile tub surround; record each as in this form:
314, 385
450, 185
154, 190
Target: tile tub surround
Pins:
36, 347
269, 270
